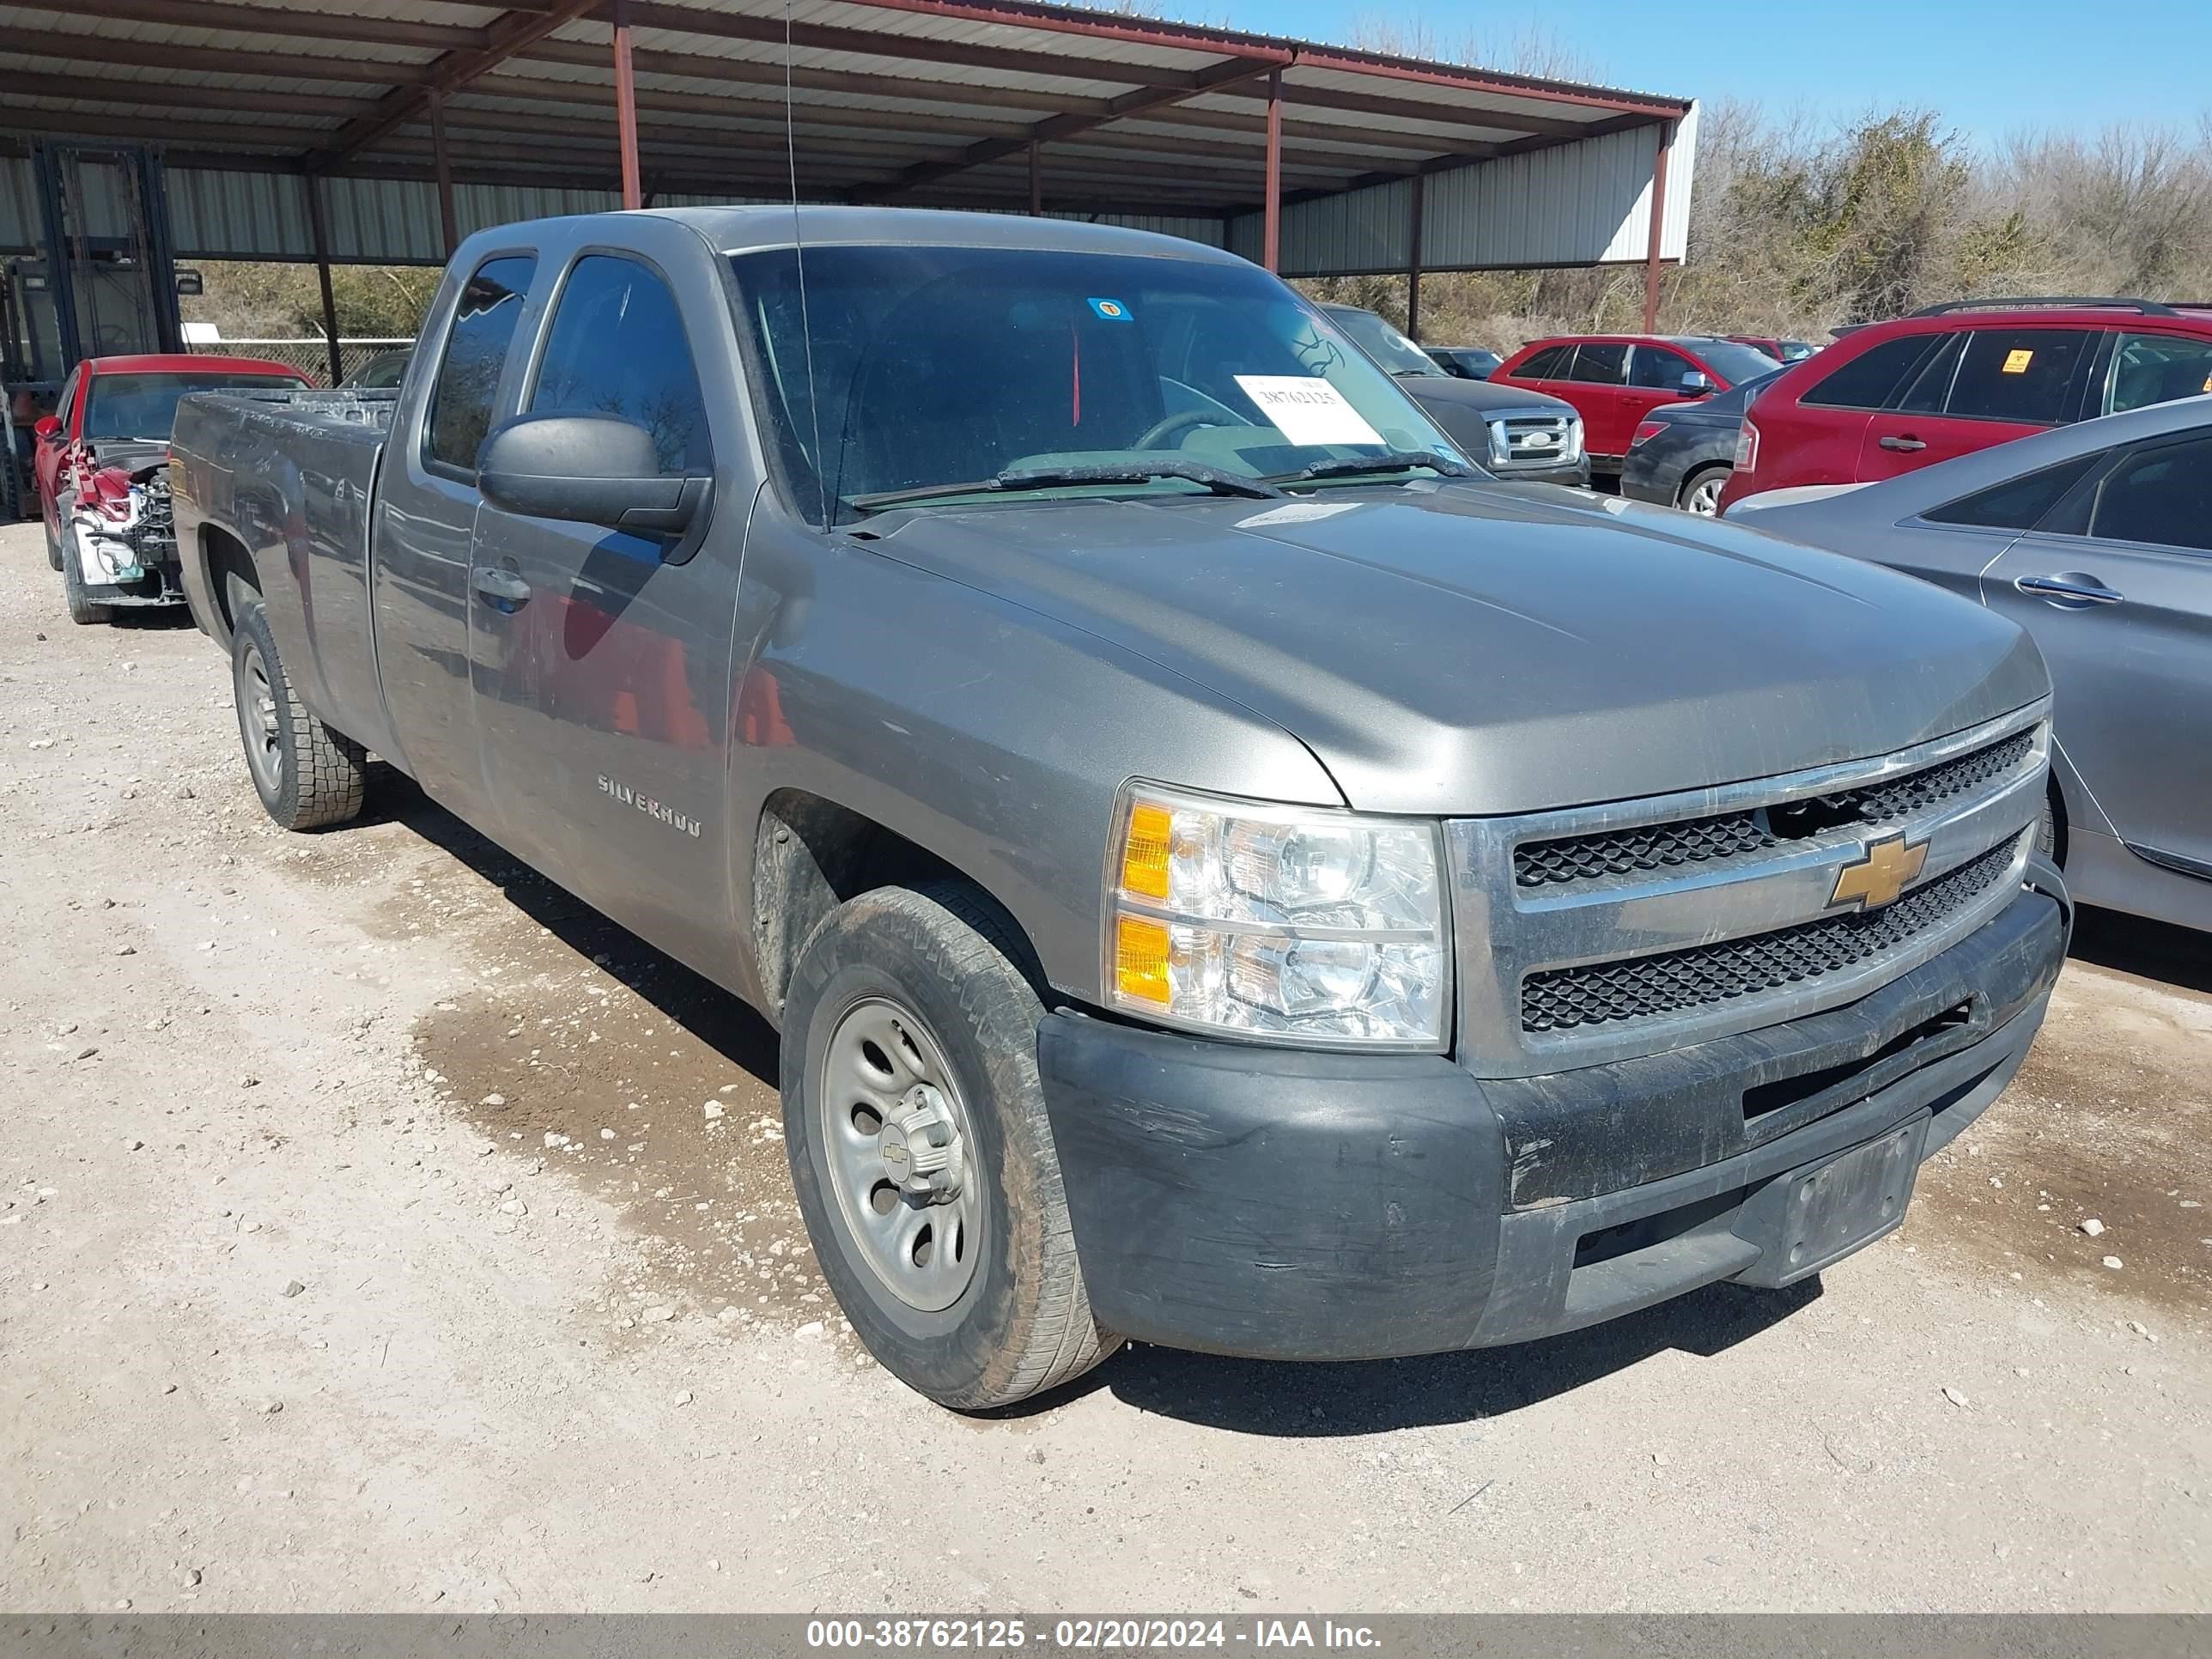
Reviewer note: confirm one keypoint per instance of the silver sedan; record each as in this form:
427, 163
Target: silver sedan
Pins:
2097, 538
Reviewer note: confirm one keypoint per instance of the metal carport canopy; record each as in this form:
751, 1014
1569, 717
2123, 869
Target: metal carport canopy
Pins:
423, 119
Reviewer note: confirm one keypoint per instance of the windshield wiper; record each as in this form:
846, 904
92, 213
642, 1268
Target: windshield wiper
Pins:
1397, 461
1218, 480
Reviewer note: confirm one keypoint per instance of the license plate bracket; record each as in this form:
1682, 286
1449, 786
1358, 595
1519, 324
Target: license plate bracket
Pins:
1811, 1218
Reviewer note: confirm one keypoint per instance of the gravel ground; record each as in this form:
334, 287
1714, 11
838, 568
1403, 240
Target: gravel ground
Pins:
383, 1231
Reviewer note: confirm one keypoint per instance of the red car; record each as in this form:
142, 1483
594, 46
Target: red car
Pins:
101, 464
1615, 380
1958, 378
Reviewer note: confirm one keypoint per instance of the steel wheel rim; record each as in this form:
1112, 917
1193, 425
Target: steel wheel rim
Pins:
257, 718
1705, 499
923, 1251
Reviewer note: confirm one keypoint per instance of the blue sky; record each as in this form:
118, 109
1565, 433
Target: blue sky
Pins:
1992, 67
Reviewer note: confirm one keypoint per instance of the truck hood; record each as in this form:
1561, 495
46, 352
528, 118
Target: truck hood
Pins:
1469, 649
133, 455
1448, 392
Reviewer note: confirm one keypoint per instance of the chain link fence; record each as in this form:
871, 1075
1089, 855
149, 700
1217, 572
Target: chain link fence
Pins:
311, 356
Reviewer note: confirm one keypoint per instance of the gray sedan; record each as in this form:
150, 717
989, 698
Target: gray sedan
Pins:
2097, 538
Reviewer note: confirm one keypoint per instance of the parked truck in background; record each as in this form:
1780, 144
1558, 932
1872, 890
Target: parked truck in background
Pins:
1226, 872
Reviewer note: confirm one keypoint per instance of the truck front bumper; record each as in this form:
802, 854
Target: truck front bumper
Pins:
1292, 1205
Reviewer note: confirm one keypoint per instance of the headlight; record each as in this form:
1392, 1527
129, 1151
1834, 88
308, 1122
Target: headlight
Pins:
1293, 923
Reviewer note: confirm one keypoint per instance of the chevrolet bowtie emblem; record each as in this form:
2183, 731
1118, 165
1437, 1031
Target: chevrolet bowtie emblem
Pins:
1878, 877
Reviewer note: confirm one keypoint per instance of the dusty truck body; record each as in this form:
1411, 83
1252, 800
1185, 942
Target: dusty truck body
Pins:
1226, 872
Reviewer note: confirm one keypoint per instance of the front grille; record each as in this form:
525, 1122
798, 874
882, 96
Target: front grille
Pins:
1531, 440
1652, 847
1707, 976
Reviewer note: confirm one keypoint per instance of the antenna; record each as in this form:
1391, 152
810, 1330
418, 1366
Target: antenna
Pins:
798, 251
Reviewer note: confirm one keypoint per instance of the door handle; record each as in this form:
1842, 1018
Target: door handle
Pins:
501, 586
2068, 591
1905, 444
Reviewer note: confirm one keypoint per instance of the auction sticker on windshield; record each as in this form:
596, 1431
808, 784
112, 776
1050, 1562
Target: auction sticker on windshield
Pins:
1307, 411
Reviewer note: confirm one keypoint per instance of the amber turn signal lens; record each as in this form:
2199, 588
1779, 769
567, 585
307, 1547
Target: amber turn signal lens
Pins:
1140, 959
1145, 850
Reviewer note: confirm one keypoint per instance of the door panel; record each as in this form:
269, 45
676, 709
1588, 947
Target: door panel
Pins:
602, 673
426, 516
2129, 675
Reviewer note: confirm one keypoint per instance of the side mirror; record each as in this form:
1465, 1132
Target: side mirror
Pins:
1696, 383
593, 468
49, 426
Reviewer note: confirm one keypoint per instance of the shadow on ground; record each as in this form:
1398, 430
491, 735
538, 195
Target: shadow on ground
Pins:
2155, 951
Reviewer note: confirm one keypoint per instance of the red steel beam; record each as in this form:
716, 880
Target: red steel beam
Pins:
1653, 241
633, 192
1271, 239
1212, 78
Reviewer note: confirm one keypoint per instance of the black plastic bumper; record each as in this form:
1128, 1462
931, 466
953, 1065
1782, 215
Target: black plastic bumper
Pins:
1284, 1204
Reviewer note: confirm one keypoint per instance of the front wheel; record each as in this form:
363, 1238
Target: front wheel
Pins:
53, 544
83, 609
306, 775
921, 1152
1701, 491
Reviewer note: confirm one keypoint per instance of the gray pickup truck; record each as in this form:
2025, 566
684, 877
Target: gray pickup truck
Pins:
1227, 871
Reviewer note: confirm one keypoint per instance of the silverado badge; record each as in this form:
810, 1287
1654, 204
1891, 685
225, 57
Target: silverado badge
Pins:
1877, 877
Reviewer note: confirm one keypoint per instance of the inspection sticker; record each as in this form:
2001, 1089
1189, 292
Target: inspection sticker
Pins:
1113, 311
1307, 411
2016, 361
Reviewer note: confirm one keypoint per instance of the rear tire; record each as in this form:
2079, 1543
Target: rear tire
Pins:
919, 989
83, 609
1700, 493
307, 775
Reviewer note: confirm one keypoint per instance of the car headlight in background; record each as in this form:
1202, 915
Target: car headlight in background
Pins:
1293, 924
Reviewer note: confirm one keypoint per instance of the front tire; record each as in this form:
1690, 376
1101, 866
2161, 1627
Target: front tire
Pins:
53, 544
910, 1040
307, 775
83, 609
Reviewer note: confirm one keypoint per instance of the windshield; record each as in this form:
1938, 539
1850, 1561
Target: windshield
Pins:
1381, 342
1732, 360
145, 405
907, 369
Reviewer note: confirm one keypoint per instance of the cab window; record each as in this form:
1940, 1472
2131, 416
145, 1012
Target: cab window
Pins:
476, 354
1599, 365
2157, 368
1660, 368
1549, 364
618, 347
2163, 495
1871, 379
2026, 375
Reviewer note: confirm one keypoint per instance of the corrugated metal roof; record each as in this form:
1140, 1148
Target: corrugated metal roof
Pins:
913, 99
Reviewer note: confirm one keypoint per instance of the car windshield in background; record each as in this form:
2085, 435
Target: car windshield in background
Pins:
145, 405
1381, 342
1732, 360
911, 371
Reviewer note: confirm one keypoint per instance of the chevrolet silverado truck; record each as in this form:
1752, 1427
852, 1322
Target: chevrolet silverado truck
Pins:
1226, 871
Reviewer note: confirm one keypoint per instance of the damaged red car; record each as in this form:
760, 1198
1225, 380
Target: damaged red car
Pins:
101, 465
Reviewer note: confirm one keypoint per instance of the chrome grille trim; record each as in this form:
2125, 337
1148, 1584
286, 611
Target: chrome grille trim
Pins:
1505, 931
1526, 442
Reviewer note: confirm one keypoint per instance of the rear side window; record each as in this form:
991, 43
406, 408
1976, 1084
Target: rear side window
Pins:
476, 353
1658, 367
2161, 495
618, 347
2024, 374
1549, 364
2157, 368
1601, 365
2017, 503
1871, 379
1929, 389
